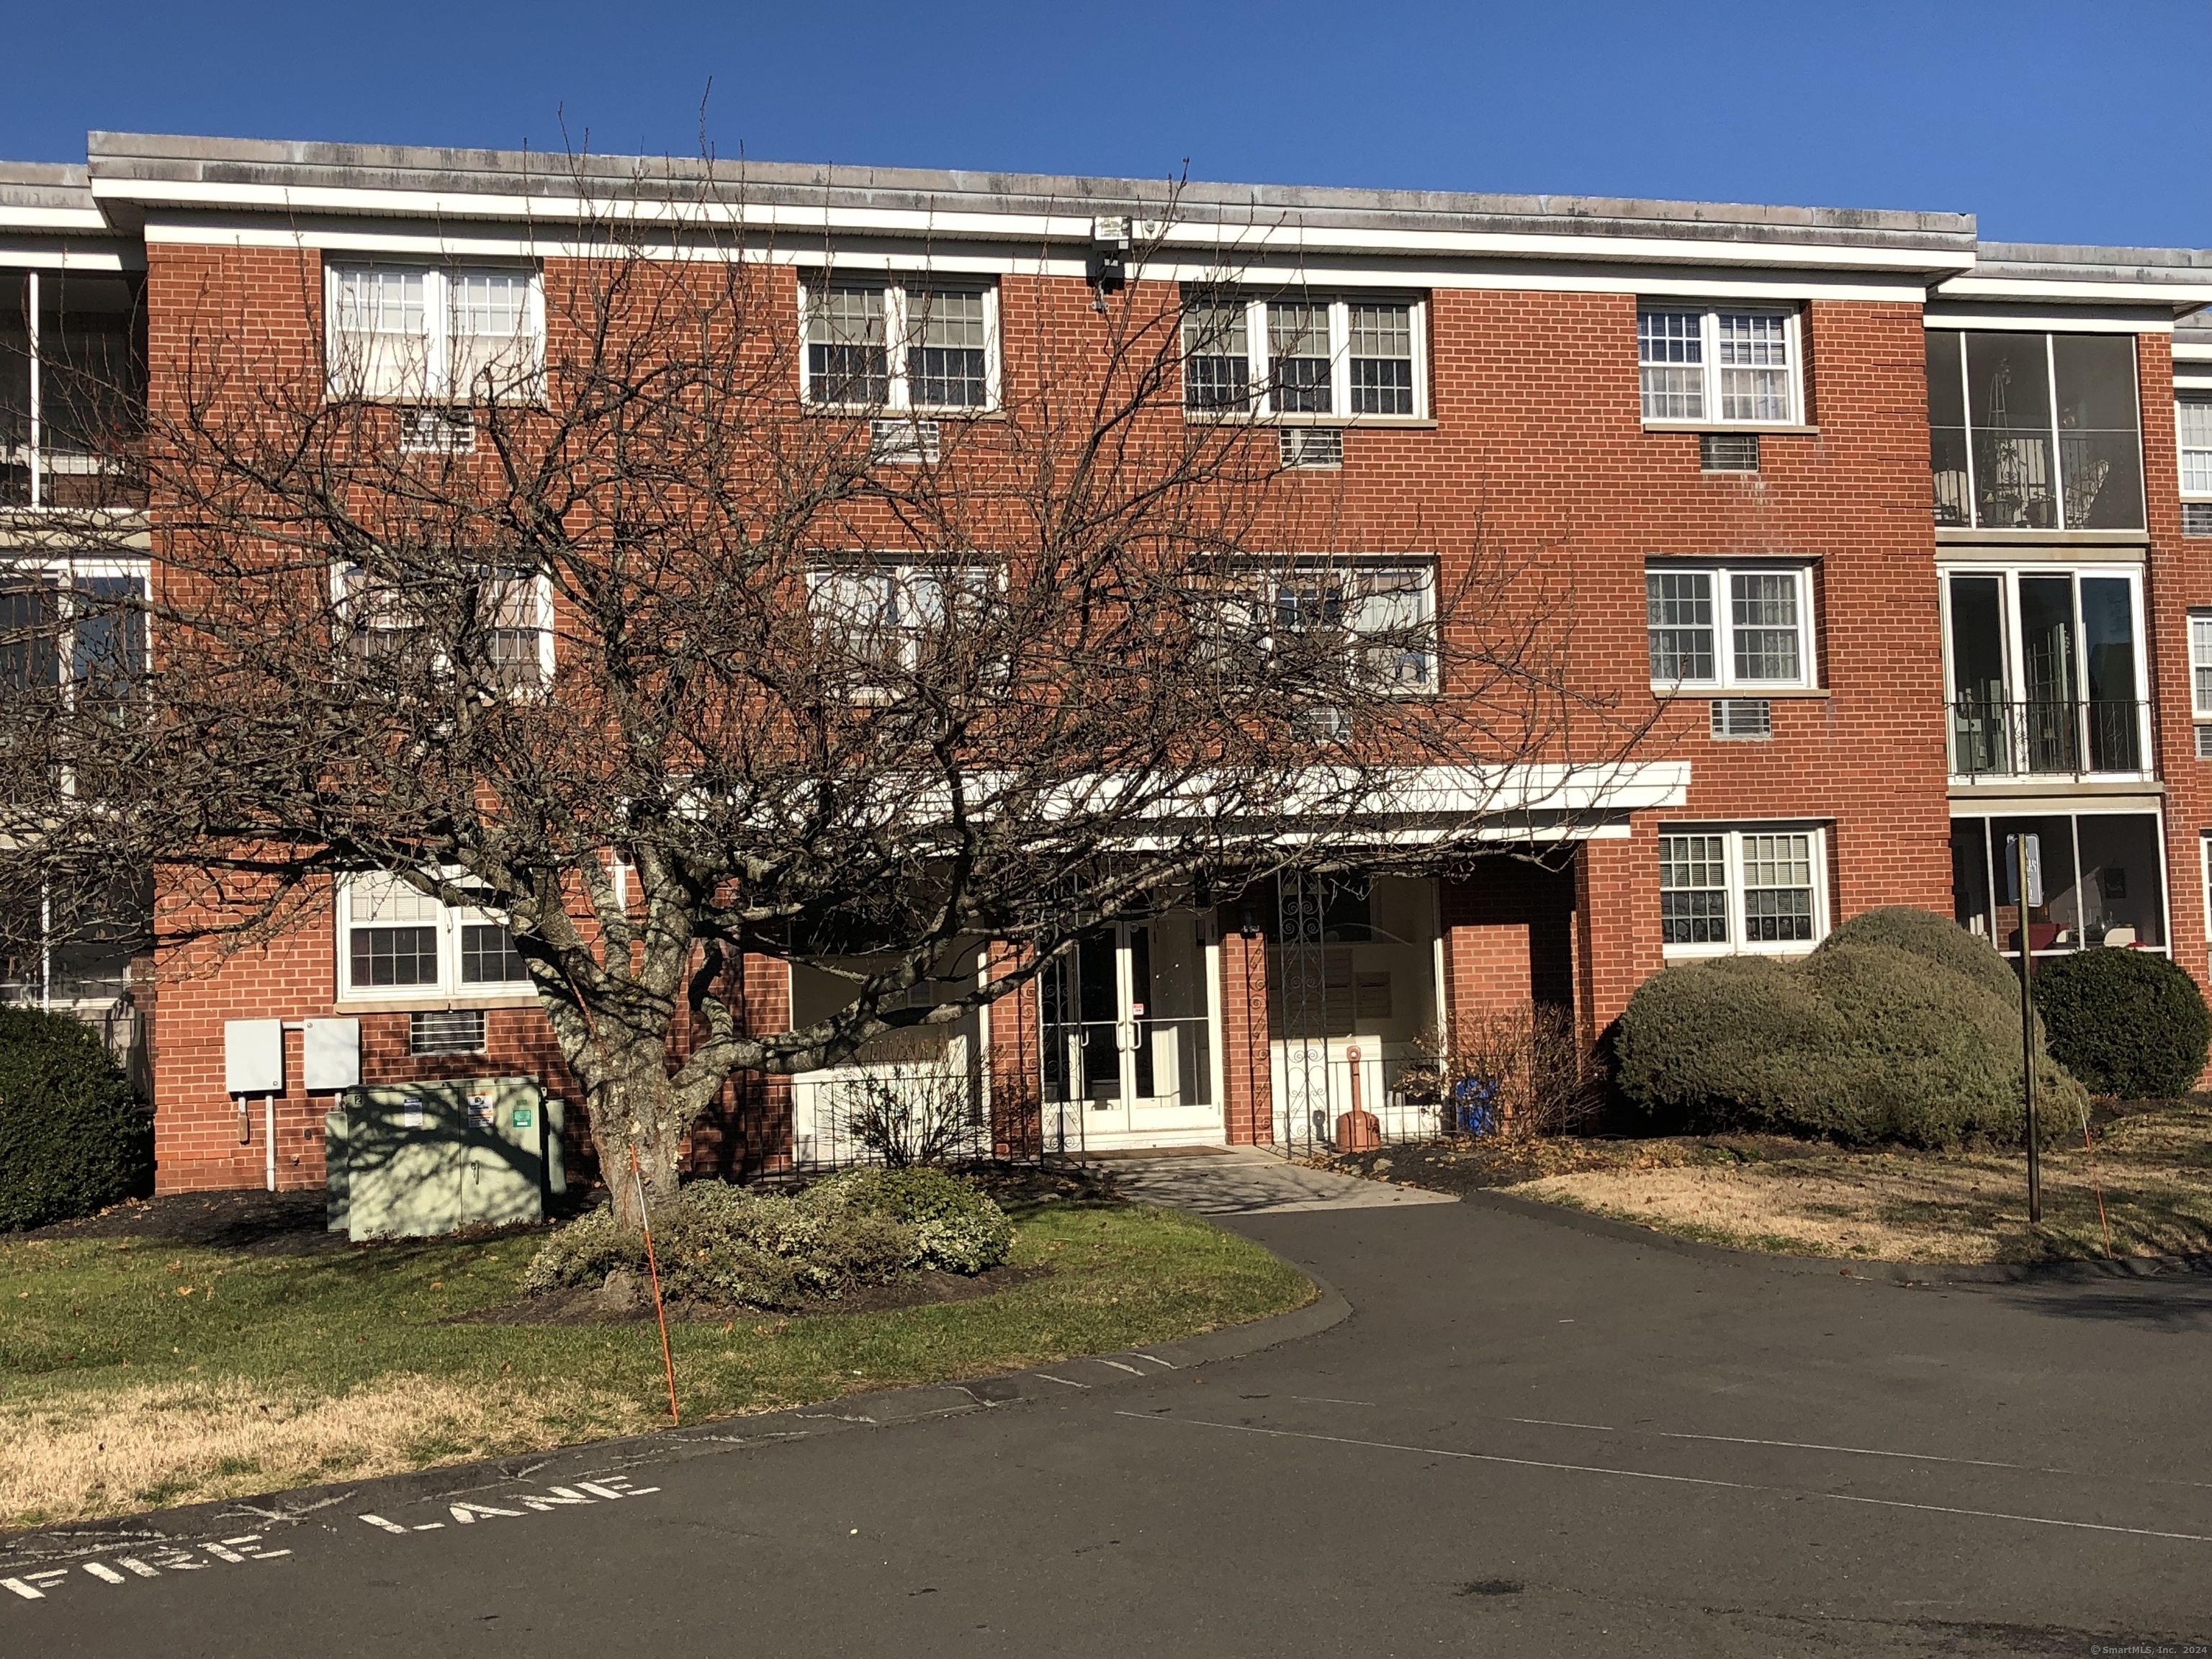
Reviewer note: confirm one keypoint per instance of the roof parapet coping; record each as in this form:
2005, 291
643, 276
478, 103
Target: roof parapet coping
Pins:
62, 185
120, 159
2064, 262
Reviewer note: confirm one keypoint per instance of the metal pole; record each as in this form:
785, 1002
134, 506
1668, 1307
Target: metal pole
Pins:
2028, 1035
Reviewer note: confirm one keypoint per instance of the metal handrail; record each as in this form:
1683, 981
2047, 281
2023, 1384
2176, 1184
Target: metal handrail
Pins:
2047, 737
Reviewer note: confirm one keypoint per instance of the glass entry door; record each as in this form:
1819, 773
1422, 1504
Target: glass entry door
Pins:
1127, 1036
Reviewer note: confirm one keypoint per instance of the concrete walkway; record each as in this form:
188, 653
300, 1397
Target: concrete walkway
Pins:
1248, 1181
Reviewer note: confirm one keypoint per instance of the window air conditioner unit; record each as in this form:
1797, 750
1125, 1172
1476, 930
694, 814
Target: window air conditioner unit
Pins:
2196, 518
436, 432
1743, 717
1729, 452
446, 1031
911, 443
1313, 445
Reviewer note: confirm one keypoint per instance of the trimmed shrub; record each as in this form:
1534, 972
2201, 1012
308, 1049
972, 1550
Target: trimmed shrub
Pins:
74, 1138
1860, 1043
956, 1228
1942, 941
718, 1242
2125, 1022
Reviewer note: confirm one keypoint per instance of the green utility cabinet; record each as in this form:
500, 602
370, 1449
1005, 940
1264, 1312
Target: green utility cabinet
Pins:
413, 1159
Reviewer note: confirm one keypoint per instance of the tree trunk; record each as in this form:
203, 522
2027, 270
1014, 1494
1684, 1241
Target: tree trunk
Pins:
632, 1112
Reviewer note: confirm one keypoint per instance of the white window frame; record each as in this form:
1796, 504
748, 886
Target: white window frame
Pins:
40, 458
1709, 335
2196, 455
2204, 890
984, 581
1249, 598
1340, 304
450, 988
63, 575
1726, 680
2016, 687
1735, 839
896, 289
2200, 681
436, 380
344, 576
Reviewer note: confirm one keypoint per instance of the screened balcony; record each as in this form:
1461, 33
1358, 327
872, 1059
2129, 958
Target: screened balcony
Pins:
72, 390
2045, 675
2030, 431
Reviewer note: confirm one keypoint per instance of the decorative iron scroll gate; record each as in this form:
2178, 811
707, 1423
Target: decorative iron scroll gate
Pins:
1307, 1114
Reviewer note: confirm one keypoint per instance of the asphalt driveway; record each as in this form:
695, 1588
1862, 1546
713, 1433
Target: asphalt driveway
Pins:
1527, 1438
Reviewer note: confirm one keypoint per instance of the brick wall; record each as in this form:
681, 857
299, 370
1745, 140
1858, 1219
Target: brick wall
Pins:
1508, 938
2179, 576
1537, 462
1246, 1068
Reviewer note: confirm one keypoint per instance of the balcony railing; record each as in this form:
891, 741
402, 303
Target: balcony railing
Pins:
110, 477
2043, 738
2014, 485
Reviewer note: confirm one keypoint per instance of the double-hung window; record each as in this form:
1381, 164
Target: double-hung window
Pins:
1304, 357
1715, 627
881, 620
396, 941
880, 343
1217, 355
2200, 679
1718, 365
1371, 621
434, 333
490, 624
1725, 891
2192, 424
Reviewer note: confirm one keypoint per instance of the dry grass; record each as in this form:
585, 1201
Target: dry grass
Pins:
138, 1373
2155, 1168
79, 1454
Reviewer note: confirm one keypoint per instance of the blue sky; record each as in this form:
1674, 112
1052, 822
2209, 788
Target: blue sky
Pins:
2084, 121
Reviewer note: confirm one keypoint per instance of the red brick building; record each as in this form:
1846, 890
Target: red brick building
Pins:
1907, 538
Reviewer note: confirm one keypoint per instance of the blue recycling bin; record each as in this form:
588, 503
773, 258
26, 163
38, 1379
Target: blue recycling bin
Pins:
1475, 1106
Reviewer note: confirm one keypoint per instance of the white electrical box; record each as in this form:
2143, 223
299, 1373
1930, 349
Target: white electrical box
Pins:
330, 1055
253, 1056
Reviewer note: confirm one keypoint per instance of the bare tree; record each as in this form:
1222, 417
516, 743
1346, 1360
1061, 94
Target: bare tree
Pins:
627, 640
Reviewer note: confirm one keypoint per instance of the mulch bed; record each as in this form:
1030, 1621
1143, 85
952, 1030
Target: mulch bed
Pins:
249, 1222
584, 1304
259, 1223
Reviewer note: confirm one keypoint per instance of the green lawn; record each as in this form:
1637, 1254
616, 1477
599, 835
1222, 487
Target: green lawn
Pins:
135, 1374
